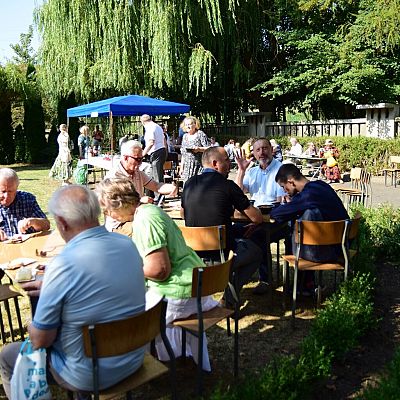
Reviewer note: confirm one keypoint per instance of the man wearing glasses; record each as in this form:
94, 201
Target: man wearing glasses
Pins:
131, 158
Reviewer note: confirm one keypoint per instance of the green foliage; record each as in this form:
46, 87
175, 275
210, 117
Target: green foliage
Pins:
336, 329
346, 316
389, 387
370, 153
379, 233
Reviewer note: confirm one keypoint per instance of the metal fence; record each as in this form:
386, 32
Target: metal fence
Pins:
350, 127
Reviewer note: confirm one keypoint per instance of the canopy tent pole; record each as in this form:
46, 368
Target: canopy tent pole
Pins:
111, 133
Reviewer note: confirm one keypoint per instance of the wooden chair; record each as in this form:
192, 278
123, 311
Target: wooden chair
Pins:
393, 169
206, 238
360, 190
205, 282
318, 233
122, 336
7, 294
169, 171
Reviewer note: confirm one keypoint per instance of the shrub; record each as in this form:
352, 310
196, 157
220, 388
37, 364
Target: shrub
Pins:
379, 234
389, 386
346, 316
335, 330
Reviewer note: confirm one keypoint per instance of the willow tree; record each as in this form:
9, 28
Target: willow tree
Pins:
193, 50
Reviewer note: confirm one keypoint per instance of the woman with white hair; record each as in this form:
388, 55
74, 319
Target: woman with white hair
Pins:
62, 167
83, 140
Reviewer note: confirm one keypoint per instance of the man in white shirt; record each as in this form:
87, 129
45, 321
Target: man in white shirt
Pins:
296, 148
260, 182
155, 147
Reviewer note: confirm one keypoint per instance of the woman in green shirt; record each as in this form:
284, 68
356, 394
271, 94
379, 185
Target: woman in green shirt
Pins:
167, 260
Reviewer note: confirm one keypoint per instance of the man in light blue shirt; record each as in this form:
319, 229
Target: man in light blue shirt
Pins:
260, 182
98, 277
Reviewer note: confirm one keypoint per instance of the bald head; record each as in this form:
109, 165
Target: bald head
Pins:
217, 159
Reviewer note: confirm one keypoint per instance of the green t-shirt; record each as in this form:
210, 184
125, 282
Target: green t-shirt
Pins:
153, 229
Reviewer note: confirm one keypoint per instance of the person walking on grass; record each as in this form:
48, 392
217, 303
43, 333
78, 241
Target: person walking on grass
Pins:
62, 167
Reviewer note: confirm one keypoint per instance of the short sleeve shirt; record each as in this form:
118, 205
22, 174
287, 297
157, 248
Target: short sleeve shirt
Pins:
24, 206
210, 199
98, 277
260, 183
139, 178
154, 132
153, 229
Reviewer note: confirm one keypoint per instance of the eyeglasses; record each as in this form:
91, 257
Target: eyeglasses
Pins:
138, 159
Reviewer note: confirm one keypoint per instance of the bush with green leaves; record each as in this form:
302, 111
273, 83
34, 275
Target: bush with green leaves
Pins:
379, 235
344, 319
389, 386
336, 329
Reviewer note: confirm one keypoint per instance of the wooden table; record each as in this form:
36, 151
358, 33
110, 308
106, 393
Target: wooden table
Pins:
310, 160
41, 247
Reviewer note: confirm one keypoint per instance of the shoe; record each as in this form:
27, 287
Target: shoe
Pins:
224, 304
261, 288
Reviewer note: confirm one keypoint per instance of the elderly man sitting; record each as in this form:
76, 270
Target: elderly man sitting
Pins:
98, 277
131, 158
19, 211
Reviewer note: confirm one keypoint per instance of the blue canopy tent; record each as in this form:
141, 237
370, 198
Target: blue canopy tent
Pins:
127, 106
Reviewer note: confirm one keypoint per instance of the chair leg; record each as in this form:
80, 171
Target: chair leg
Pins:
277, 263
228, 326
183, 344
319, 289
3, 333
129, 395
17, 311
294, 296
7, 306
200, 363
236, 343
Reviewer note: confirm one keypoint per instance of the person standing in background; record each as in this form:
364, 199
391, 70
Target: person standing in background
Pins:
97, 139
155, 147
194, 143
83, 141
62, 167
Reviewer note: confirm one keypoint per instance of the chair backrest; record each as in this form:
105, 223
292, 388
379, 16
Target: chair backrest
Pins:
355, 173
213, 279
355, 176
205, 238
168, 165
122, 336
394, 160
321, 233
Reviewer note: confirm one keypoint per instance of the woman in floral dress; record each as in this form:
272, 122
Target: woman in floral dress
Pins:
194, 142
62, 167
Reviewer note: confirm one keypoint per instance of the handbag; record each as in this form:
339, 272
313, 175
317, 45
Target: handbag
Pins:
29, 377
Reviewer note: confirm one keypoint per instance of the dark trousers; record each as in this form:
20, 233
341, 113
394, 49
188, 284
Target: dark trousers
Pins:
157, 160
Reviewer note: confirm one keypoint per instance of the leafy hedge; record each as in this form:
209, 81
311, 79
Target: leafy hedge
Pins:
379, 235
336, 329
370, 153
